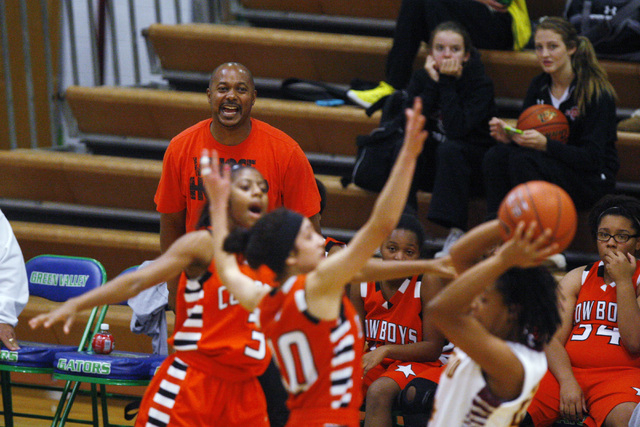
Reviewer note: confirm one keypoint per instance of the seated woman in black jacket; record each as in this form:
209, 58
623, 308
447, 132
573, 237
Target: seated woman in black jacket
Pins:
458, 101
574, 82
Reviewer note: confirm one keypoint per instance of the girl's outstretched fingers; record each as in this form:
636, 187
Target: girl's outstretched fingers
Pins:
205, 163
67, 325
46, 320
415, 134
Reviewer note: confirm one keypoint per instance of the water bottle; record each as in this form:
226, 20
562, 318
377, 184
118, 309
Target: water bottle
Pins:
103, 342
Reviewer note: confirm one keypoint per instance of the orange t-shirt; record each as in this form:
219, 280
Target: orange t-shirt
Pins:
276, 155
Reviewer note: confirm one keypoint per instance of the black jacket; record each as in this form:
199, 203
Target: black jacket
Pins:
592, 136
460, 109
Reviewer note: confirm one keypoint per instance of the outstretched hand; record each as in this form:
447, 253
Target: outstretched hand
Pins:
414, 132
524, 249
65, 313
216, 184
442, 267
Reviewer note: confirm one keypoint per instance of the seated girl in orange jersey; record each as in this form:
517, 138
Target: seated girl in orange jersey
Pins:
594, 359
311, 326
219, 350
400, 341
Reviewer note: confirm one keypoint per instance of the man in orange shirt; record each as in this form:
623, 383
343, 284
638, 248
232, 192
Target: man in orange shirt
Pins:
238, 139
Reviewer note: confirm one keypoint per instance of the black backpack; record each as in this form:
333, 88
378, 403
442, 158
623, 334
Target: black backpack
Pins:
378, 150
613, 26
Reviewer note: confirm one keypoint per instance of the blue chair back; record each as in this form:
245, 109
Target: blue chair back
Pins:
58, 278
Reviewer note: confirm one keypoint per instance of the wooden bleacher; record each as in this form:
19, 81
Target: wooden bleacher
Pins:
83, 180
334, 132
377, 9
381, 9
336, 58
128, 113
162, 114
199, 48
130, 184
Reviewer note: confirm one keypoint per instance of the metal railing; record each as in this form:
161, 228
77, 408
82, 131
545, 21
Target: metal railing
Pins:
76, 42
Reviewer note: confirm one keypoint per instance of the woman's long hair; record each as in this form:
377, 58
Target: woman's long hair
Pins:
592, 81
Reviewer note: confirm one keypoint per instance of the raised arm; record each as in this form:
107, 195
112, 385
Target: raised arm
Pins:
466, 252
377, 269
218, 187
449, 310
189, 250
329, 278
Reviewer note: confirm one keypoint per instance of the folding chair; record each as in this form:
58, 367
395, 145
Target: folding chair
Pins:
118, 368
57, 279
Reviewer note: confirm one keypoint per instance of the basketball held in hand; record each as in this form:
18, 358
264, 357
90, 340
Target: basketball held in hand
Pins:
547, 120
546, 204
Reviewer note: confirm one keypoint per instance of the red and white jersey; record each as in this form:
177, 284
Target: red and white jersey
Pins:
214, 333
319, 360
595, 339
330, 242
397, 321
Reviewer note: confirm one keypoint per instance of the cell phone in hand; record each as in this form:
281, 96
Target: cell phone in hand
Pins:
512, 131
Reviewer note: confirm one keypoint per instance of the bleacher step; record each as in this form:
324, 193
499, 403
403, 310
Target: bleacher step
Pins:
337, 58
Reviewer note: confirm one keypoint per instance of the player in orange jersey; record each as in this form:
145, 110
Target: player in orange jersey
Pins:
400, 342
594, 361
311, 326
219, 350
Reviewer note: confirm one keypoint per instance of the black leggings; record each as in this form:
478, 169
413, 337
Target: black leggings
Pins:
507, 165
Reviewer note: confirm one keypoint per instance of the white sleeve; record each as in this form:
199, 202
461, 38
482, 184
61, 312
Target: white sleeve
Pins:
14, 289
534, 363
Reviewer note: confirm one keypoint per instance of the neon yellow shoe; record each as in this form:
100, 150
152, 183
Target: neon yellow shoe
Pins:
366, 98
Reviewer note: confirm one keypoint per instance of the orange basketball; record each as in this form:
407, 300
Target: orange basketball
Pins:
547, 120
547, 204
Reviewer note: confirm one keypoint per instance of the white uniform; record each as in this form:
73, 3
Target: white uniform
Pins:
463, 399
14, 289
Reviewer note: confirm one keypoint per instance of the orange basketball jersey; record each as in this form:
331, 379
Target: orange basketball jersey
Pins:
319, 360
210, 320
595, 339
397, 321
